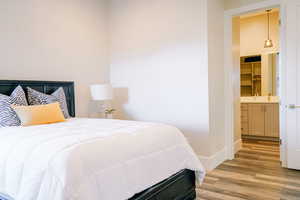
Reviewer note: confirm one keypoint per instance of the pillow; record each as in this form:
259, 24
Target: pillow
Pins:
39, 98
39, 114
8, 116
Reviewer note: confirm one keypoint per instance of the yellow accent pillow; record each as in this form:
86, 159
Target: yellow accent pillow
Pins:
39, 114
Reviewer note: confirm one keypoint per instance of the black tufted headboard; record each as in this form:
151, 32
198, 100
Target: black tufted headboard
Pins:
47, 87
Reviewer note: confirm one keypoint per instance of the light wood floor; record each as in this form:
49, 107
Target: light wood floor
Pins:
254, 174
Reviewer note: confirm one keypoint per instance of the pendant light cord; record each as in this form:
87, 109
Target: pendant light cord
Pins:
268, 25
268, 12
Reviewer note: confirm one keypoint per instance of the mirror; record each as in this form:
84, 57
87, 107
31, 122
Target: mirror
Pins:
259, 75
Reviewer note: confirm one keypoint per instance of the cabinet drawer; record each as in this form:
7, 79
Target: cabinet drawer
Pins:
244, 128
244, 112
244, 107
244, 117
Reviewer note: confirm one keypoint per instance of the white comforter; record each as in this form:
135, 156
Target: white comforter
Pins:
92, 159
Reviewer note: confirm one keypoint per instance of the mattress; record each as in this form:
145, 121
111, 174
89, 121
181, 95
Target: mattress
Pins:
91, 159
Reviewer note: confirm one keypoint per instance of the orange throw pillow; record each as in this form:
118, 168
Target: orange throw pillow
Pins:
39, 114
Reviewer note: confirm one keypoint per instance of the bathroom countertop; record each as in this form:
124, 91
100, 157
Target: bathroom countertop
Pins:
260, 99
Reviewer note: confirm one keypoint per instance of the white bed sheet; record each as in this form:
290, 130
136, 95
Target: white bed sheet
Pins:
90, 159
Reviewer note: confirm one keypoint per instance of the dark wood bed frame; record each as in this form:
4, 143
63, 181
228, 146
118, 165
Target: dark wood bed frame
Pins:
180, 186
47, 87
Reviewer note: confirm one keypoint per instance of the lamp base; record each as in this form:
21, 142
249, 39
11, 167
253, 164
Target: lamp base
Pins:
109, 116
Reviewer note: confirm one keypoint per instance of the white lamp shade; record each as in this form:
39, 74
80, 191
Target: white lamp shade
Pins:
101, 92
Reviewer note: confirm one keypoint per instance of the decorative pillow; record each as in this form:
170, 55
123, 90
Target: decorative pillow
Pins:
60, 95
8, 116
39, 98
39, 114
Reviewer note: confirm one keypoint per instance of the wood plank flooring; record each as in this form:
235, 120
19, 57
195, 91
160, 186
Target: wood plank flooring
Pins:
254, 174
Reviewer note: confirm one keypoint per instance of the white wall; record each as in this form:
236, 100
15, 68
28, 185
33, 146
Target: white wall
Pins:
55, 40
159, 59
236, 77
230, 4
216, 73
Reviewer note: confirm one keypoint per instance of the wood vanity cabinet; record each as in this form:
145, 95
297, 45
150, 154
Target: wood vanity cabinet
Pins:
260, 119
256, 115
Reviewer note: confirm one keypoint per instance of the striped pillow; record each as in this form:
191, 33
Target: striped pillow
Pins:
39, 98
8, 117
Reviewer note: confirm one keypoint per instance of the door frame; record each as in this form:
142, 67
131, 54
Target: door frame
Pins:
229, 66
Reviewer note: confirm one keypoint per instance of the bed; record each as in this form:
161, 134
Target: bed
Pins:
94, 158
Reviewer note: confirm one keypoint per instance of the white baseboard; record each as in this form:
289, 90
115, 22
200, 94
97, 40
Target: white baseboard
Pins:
237, 146
211, 162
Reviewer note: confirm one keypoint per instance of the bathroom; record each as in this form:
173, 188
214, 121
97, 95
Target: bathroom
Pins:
259, 39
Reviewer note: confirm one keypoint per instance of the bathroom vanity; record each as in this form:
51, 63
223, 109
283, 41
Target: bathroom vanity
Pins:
260, 117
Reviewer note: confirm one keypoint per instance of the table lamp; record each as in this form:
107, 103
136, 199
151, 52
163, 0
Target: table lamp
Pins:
103, 92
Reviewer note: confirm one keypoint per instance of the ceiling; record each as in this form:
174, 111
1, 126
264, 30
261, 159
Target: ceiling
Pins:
260, 12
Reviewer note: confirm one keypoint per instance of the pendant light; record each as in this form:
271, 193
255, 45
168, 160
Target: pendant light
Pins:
268, 42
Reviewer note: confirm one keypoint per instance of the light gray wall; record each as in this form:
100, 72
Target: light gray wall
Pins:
55, 40
159, 62
230, 4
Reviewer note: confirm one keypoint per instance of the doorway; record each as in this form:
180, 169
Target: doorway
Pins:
245, 76
259, 49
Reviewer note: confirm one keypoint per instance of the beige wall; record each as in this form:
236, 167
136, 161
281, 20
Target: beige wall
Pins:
55, 40
230, 4
254, 33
